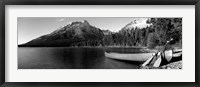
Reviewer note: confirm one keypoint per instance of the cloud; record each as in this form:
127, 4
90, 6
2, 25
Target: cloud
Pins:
61, 19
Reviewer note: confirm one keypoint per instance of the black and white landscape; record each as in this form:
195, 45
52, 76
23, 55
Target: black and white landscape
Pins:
99, 43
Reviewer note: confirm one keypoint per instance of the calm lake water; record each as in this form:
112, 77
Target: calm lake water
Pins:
71, 58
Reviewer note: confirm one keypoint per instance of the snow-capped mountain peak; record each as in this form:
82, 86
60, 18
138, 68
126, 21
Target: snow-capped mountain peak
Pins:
140, 23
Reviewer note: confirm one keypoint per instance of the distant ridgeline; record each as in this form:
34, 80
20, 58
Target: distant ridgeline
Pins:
82, 33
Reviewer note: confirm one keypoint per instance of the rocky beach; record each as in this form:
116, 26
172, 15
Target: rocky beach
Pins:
173, 65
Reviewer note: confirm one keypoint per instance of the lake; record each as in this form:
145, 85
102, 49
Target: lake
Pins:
71, 58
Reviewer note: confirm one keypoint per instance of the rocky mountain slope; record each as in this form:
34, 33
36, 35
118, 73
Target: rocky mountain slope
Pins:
74, 34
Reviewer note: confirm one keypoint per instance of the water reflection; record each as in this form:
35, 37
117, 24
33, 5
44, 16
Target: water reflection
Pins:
68, 58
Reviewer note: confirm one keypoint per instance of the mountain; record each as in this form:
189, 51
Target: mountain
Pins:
136, 23
136, 33
73, 34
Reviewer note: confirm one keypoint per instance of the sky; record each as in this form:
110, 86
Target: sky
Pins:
33, 27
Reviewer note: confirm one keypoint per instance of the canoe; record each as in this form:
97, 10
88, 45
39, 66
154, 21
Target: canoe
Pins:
169, 54
140, 57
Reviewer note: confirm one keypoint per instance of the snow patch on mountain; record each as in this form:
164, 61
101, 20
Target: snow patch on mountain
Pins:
137, 22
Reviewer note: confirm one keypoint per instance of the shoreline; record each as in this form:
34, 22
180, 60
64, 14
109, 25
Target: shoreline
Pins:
172, 65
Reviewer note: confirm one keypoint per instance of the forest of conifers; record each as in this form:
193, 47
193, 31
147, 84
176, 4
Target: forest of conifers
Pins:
158, 33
